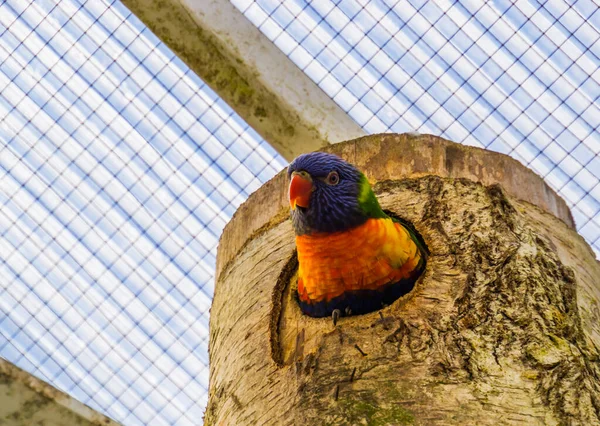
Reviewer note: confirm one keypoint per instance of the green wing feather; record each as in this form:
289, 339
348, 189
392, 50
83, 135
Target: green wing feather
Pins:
370, 206
414, 236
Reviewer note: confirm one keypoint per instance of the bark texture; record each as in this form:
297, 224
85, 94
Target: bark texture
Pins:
502, 328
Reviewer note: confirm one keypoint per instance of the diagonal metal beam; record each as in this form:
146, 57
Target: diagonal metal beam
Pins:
248, 72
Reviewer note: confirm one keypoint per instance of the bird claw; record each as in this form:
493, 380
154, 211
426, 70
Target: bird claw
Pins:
348, 311
335, 316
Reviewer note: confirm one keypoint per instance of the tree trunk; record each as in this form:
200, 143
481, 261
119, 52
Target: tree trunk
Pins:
502, 328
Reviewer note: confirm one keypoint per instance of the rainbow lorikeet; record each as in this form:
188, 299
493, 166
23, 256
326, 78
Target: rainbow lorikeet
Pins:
353, 258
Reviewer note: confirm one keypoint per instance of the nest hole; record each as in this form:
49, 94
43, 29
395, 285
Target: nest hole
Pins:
286, 309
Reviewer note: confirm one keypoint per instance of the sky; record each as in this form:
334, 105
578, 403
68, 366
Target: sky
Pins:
119, 167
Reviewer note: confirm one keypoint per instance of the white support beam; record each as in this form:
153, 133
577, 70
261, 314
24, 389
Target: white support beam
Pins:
27, 400
249, 72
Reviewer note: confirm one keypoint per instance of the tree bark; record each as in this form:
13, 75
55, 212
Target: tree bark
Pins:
502, 328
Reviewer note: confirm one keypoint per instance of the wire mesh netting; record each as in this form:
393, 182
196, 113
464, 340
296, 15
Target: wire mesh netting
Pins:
118, 170
517, 77
119, 167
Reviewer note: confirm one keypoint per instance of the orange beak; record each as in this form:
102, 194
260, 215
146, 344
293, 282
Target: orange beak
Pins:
300, 188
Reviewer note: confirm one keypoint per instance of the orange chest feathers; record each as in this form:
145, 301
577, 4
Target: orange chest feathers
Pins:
364, 258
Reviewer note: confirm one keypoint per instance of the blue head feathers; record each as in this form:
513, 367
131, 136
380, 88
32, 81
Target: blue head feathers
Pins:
328, 194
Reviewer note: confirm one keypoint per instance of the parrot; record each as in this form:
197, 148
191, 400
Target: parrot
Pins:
353, 258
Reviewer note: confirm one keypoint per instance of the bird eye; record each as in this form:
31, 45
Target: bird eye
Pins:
332, 178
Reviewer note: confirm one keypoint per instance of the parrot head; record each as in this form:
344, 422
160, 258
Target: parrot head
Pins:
328, 194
